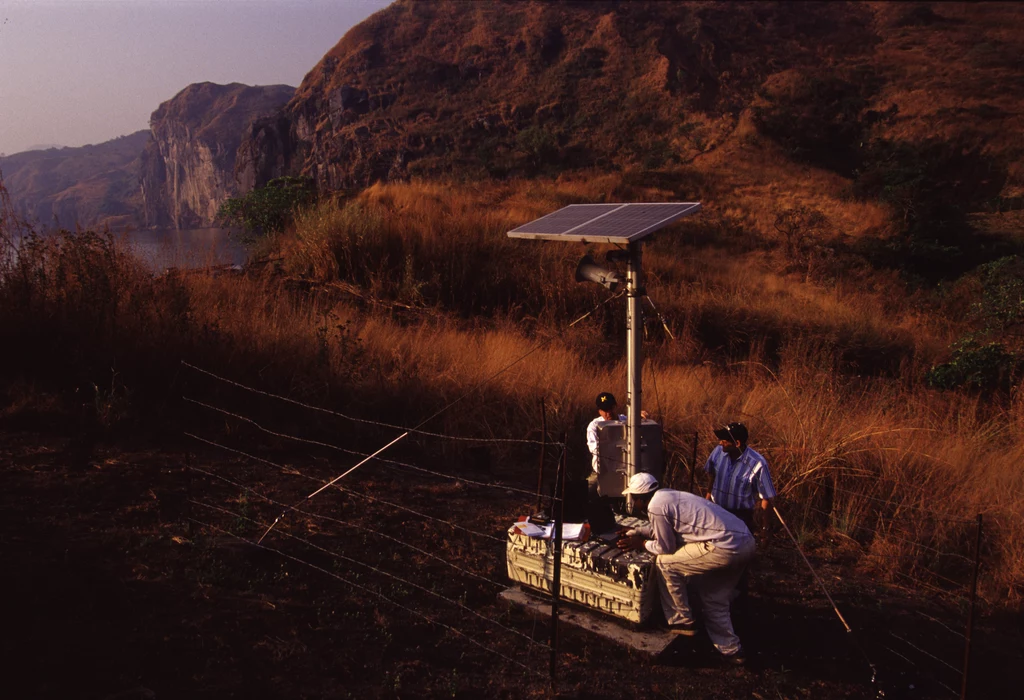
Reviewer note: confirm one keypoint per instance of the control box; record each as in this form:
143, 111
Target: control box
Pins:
612, 455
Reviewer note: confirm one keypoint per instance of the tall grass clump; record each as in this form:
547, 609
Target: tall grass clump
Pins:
424, 246
900, 472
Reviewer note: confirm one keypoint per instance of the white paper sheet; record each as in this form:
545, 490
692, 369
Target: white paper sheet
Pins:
570, 531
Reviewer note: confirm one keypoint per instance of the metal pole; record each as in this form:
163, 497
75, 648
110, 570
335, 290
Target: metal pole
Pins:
543, 449
693, 460
556, 553
634, 360
970, 612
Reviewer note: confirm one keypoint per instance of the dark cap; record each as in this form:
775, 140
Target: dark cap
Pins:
606, 401
734, 432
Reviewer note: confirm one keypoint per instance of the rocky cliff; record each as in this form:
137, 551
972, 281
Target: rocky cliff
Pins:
187, 168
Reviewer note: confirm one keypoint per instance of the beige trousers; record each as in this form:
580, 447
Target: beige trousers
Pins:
715, 573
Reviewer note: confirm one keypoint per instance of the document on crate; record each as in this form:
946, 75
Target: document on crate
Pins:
570, 531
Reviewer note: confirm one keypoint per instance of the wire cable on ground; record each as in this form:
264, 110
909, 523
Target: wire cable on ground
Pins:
346, 523
401, 580
941, 624
371, 592
454, 477
922, 651
294, 472
874, 671
936, 681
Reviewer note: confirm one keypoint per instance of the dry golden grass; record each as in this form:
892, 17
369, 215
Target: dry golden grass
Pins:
888, 463
898, 469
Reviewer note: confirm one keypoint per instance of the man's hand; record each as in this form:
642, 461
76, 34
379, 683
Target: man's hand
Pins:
762, 520
630, 543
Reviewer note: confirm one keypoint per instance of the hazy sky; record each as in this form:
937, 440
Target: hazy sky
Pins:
74, 72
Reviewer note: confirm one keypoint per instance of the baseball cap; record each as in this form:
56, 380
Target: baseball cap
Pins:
734, 432
606, 401
641, 483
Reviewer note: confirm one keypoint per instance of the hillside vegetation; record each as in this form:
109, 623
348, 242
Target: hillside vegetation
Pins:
852, 290
861, 180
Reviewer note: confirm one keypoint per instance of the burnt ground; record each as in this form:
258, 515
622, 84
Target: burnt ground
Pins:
113, 590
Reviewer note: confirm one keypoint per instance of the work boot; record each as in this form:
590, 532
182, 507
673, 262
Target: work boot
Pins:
737, 659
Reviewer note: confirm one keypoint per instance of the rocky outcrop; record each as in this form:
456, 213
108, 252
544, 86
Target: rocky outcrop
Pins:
515, 88
187, 169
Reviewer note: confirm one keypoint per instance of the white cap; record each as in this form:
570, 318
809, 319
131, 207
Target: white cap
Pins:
641, 483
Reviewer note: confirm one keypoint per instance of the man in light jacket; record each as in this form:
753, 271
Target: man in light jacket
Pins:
693, 539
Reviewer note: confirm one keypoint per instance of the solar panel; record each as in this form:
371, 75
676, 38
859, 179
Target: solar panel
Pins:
605, 223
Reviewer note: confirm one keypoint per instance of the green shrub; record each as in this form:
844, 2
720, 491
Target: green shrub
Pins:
977, 366
539, 146
1001, 307
270, 208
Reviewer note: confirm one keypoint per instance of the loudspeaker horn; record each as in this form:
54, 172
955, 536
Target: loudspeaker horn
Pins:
590, 271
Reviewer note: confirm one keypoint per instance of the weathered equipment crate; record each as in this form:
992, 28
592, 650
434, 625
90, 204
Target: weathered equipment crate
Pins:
595, 574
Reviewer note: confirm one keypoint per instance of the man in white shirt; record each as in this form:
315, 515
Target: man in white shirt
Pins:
599, 511
692, 538
607, 410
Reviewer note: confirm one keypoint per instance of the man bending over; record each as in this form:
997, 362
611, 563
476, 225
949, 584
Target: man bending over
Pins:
692, 538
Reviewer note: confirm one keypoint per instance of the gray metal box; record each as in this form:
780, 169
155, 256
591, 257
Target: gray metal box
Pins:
611, 454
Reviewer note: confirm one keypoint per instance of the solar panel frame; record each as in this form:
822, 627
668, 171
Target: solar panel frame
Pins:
605, 223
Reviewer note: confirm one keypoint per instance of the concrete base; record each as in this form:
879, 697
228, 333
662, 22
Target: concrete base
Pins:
647, 641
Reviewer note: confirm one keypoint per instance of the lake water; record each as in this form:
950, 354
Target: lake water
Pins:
161, 249
187, 248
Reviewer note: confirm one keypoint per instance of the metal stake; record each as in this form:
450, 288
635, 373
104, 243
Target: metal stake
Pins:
556, 553
693, 460
543, 448
970, 612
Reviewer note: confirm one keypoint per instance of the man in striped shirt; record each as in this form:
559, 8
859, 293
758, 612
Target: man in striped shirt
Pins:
741, 482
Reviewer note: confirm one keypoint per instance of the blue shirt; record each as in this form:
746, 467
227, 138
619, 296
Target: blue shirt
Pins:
738, 482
